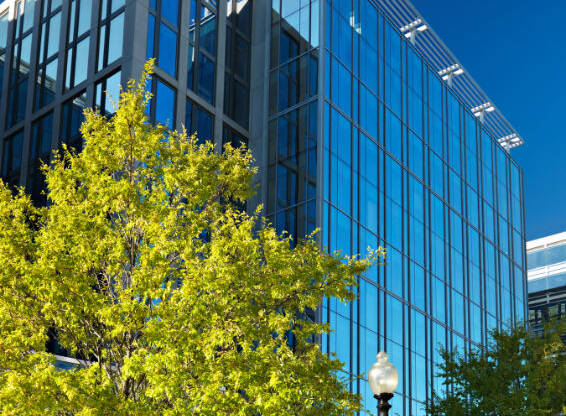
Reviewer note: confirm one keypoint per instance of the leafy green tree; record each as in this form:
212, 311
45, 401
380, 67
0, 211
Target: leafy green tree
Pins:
517, 374
173, 300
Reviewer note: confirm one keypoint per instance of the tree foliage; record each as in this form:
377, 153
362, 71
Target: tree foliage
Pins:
517, 374
173, 299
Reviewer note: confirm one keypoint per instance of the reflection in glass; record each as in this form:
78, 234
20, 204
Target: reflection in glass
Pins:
167, 50
205, 81
165, 104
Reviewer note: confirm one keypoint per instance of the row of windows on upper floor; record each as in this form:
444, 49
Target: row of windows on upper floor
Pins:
461, 156
452, 135
75, 56
163, 42
546, 256
292, 141
399, 63
395, 58
110, 49
107, 90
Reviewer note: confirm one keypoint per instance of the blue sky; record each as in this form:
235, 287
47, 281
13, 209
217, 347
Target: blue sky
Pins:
515, 51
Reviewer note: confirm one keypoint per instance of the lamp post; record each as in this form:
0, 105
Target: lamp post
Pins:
383, 379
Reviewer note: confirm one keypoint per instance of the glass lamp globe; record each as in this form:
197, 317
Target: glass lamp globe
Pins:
382, 376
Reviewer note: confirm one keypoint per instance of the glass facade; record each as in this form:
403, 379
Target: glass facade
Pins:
546, 262
79, 52
404, 165
36, 44
358, 136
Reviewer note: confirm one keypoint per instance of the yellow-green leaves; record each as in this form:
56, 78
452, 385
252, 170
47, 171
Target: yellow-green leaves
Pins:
175, 300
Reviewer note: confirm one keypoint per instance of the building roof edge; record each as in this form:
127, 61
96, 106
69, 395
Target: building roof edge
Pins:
414, 27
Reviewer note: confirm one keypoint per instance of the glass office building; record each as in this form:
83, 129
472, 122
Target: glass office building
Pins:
546, 263
358, 129
369, 143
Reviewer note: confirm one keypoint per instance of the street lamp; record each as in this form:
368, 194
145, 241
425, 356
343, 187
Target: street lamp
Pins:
383, 379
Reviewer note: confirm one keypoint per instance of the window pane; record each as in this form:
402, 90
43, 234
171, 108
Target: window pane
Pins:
3, 32
189, 117
208, 31
167, 50
72, 118
170, 10
204, 125
54, 31
116, 38
191, 67
81, 61
242, 58
28, 14
108, 91
206, 78
12, 158
165, 105
150, 50
85, 12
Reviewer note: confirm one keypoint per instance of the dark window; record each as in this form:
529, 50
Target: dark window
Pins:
234, 138
206, 78
71, 119
199, 121
162, 34
111, 33
41, 135
202, 48
12, 158
162, 105
237, 76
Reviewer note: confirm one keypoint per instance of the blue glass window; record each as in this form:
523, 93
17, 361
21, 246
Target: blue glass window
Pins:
162, 35
170, 10
150, 47
164, 104
107, 92
78, 43
393, 135
208, 31
21, 63
368, 112
341, 87
237, 63
206, 78
200, 121
167, 49
202, 49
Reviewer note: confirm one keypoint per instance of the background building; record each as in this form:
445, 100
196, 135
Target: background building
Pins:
363, 124
546, 262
